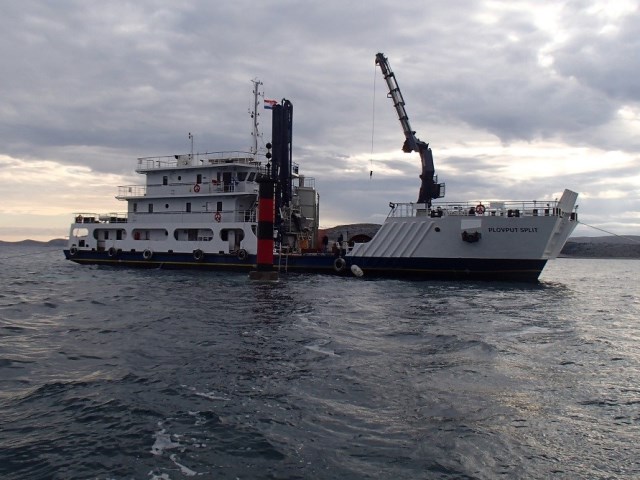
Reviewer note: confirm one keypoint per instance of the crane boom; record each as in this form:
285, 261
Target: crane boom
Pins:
430, 188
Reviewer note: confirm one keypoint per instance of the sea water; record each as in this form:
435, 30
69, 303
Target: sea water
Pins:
110, 373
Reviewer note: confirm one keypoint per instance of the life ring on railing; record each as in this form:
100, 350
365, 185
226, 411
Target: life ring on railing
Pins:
242, 254
79, 219
218, 217
339, 265
198, 255
480, 209
112, 252
73, 250
196, 188
147, 254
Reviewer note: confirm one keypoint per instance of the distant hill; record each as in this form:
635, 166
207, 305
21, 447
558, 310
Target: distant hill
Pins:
348, 231
609, 239
57, 242
602, 247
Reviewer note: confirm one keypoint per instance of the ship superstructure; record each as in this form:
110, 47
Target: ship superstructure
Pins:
201, 208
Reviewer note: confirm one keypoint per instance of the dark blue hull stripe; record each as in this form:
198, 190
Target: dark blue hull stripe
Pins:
418, 268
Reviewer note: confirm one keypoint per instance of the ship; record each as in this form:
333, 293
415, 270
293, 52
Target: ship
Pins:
201, 211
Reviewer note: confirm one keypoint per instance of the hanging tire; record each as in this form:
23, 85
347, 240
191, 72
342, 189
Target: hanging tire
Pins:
112, 252
73, 250
198, 255
242, 254
339, 265
147, 254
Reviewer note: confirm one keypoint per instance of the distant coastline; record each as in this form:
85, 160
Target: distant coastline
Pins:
576, 247
56, 242
602, 247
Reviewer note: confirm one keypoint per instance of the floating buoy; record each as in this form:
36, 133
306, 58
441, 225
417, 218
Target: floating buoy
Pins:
357, 271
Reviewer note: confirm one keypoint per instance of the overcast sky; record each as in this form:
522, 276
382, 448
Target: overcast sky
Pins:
517, 99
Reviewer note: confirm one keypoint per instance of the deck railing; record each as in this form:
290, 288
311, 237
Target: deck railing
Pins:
515, 208
196, 160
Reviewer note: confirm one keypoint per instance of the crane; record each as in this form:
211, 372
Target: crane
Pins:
430, 188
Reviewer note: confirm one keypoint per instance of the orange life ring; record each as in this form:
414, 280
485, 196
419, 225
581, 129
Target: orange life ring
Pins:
480, 209
196, 188
218, 217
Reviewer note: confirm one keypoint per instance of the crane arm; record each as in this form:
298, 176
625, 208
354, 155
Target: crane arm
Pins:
429, 188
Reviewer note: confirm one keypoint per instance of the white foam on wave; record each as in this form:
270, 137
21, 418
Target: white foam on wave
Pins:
162, 442
162, 476
317, 349
208, 395
185, 470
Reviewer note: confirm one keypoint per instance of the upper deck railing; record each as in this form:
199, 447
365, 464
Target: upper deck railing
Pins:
514, 208
196, 160
205, 159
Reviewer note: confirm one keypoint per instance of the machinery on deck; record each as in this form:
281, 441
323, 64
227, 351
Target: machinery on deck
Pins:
296, 200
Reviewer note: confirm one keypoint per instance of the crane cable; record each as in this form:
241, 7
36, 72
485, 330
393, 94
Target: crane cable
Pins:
373, 119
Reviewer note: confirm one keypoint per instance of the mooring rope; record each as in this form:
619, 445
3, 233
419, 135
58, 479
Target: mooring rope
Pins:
610, 233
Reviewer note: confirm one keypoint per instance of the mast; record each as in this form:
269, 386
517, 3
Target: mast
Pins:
255, 133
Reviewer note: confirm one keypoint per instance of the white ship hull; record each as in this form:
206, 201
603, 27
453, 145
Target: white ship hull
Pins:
449, 241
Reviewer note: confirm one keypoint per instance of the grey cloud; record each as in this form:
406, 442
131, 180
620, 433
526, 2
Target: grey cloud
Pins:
120, 80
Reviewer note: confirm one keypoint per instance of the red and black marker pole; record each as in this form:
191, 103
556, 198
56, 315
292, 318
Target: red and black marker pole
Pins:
264, 264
